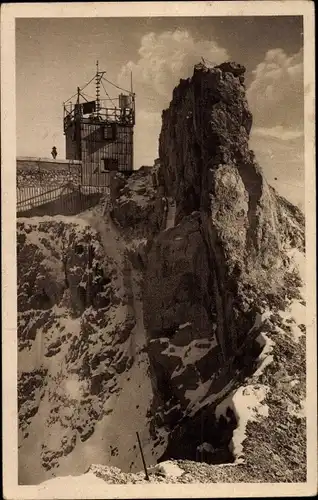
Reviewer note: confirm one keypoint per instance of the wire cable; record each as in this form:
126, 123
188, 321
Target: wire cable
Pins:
82, 95
117, 87
88, 83
88, 96
75, 95
107, 94
101, 100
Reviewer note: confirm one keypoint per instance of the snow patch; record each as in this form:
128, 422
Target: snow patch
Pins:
265, 358
168, 469
66, 219
260, 319
189, 353
73, 387
76, 484
184, 325
298, 411
294, 316
197, 395
203, 396
246, 403
295, 313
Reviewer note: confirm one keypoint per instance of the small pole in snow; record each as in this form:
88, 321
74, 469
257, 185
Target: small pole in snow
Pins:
143, 458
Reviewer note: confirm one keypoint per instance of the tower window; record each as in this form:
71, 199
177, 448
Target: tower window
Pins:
109, 132
109, 164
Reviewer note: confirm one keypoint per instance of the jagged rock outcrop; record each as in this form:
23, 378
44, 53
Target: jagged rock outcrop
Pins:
136, 206
208, 168
225, 260
149, 315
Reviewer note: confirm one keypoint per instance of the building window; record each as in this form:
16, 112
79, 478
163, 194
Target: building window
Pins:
109, 164
109, 132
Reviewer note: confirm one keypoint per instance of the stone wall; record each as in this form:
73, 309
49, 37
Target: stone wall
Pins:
38, 172
48, 187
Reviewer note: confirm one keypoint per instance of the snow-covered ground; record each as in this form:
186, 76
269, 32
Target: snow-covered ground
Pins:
76, 484
295, 314
114, 439
247, 401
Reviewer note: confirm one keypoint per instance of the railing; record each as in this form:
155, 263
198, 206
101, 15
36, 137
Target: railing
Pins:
30, 197
36, 195
64, 200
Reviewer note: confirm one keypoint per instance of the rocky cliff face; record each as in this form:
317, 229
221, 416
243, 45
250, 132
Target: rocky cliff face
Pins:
82, 361
207, 167
224, 261
147, 317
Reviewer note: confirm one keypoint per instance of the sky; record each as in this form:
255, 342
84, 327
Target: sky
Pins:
54, 56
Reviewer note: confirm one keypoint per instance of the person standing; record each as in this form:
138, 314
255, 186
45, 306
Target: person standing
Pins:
54, 152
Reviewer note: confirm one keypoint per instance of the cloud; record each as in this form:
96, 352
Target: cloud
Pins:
165, 58
146, 137
276, 93
283, 167
275, 98
280, 153
277, 132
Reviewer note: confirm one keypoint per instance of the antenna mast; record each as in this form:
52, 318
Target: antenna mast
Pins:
97, 89
78, 126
